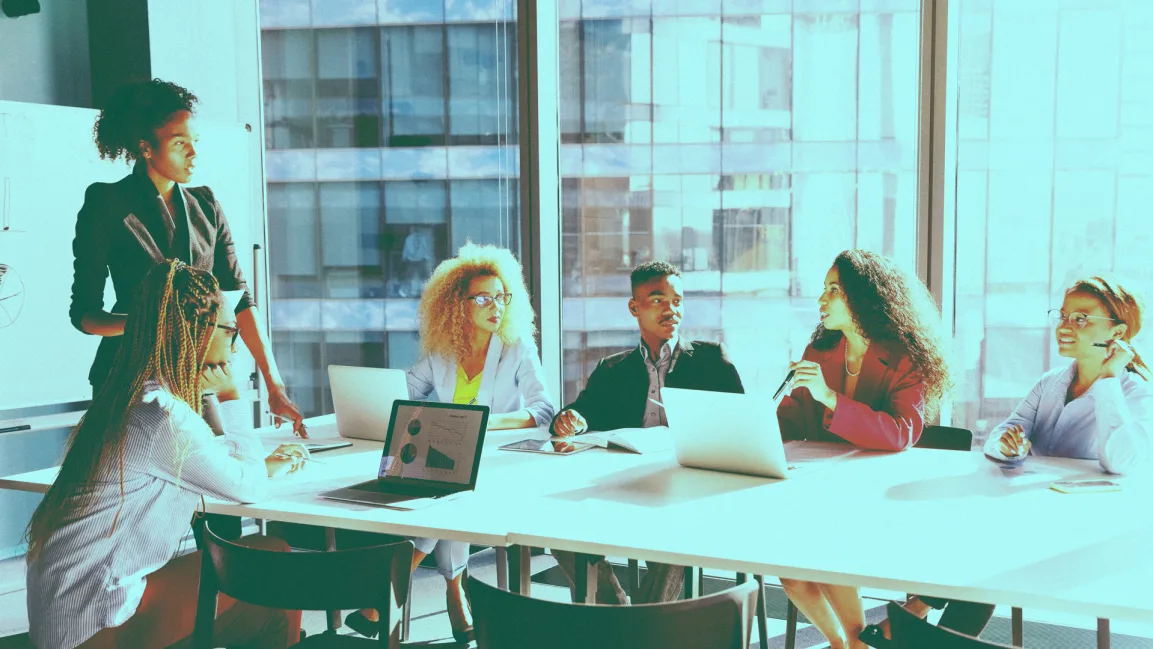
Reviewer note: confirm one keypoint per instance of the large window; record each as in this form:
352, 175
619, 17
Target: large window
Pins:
1054, 179
391, 142
748, 147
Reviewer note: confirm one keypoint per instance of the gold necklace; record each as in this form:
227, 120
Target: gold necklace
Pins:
847, 371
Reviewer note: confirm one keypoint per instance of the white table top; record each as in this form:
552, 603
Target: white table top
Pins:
932, 522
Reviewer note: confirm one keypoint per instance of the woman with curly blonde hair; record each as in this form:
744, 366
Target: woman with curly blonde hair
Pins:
477, 330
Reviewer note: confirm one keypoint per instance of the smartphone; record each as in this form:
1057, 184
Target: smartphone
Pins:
1084, 486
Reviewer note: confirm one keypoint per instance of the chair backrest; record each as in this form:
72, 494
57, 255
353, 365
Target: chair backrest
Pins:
504, 620
946, 438
911, 632
374, 577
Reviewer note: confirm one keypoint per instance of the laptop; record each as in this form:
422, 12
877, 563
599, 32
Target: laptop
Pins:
725, 432
362, 398
431, 450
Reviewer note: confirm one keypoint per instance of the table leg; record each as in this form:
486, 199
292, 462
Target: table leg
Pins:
762, 612
520, 569
742, 577
1018, 623
691, 588
585, 579
1102, 633
502, 568
330, 546
634, 576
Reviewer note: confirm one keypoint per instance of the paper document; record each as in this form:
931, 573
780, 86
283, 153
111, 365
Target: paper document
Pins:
636, 440
801, 453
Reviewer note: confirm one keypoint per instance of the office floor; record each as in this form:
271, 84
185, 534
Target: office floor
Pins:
430, 625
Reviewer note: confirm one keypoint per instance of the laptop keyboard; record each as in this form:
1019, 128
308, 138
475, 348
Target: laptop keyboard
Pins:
398, 488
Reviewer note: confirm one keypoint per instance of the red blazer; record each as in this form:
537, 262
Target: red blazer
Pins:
886, 413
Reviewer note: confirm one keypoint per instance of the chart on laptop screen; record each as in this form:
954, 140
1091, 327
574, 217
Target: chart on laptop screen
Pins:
432, 444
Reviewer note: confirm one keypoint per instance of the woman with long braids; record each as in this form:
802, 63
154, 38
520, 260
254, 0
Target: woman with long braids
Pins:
125, 228
873, 375
101, 545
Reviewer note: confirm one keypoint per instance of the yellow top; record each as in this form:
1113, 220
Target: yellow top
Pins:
466, 390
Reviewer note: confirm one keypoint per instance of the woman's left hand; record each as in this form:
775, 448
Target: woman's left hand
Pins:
283, 408
809, 375
1117, 357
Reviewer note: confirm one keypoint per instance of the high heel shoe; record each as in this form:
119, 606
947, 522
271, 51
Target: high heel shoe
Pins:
875, 637
361, 624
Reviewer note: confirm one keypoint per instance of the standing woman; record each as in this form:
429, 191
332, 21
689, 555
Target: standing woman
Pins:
872, 376
477, 341
127, 227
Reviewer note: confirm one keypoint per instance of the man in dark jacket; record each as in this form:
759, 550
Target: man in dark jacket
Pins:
624, 391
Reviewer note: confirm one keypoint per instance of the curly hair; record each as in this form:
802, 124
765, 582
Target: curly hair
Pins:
445, 326
165, 339
891, 307
651, 270
135, 112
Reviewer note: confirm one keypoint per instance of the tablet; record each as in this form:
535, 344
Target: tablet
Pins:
314, 447
548, 447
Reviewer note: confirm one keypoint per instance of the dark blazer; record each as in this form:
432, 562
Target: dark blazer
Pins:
123, 231
886, 412
618, 388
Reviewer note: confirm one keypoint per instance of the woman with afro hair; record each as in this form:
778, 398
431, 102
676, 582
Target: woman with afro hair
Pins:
125, 228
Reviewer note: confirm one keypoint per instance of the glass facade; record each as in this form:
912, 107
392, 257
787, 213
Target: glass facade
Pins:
746, 141
1054, 149
392, 140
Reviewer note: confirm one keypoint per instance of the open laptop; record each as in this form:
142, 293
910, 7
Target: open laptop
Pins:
725, 432
431, 450
362, 398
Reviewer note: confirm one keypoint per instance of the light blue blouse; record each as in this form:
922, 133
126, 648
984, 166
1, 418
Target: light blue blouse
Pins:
513, 379
1111, 422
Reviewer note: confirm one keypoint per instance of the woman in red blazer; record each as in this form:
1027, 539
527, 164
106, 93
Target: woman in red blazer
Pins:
872, 375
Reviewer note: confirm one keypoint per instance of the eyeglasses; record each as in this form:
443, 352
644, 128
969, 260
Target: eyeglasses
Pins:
485, 300
1076, 320
235, 332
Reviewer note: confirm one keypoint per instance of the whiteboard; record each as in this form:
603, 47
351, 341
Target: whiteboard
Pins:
47, 160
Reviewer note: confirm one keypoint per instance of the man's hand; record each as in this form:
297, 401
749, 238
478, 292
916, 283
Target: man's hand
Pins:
570, 422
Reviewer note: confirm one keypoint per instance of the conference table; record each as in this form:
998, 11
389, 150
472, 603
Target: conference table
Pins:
941, 523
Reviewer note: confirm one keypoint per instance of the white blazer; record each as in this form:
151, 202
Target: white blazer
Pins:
513, 379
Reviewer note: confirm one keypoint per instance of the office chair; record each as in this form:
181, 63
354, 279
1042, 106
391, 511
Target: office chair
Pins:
911, 632
373, 577
504, 620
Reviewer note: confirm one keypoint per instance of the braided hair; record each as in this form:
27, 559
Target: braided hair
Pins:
165, 340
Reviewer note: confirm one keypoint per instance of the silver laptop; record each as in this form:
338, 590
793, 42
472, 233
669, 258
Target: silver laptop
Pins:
431, 450
725, 432
362, 398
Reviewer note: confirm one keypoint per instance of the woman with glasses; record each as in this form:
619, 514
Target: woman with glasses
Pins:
873, 374
1100, 407
477, 341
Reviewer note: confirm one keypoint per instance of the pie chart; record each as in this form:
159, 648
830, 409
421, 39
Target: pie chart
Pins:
11, 295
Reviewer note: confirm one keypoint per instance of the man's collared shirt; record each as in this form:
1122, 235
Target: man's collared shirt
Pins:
658, 371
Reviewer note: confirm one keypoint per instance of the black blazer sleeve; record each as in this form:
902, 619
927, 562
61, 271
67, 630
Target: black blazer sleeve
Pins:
225, 266
728, 380
593, 402
90, 258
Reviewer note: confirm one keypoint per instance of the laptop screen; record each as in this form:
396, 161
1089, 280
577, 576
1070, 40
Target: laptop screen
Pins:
433, 441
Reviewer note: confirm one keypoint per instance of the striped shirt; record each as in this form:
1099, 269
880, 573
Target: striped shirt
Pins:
90, 576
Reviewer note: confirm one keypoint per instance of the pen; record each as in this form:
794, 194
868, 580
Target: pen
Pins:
13, 429
306, 459
657, 402
473, 402
784, 384
1100, 344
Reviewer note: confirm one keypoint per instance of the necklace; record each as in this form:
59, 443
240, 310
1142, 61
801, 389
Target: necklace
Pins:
847, 371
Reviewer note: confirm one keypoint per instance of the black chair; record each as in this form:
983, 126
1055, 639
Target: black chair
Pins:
911, 632
946, 438
18, 641
504, 620
375, 577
